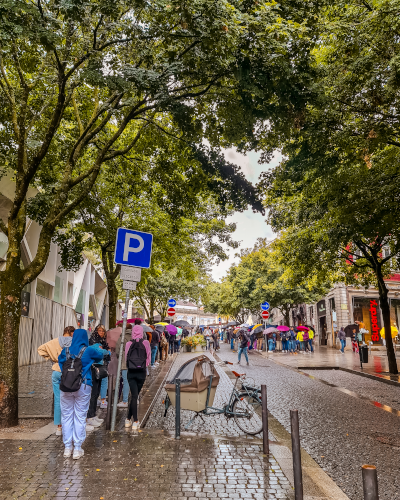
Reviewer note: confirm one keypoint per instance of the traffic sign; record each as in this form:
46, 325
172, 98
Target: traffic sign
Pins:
265, 306
171, 311
219, 319
265, 314
172, 303
129, 285
130, 273
133, 248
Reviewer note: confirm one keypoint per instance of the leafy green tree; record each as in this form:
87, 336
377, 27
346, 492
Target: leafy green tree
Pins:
340, 217
82, 82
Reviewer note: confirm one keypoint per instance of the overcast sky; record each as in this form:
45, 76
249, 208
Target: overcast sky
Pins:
249, 226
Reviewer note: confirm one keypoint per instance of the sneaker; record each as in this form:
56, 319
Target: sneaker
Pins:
122, 405
128, 422
93, 422
77, 454
103, 403
153, 366
248, 364
100, 420
89, 428
59, 431
67, 452
135, 426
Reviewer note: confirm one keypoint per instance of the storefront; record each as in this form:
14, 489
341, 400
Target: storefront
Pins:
368, 312
322, 325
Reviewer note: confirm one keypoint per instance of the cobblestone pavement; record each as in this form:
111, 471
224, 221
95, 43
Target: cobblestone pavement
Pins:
212, 425
383, 394
339, 431
148, 465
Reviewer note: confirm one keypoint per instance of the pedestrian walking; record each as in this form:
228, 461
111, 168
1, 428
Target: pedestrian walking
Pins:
171, 339
285, 341
138, 357
243, 340
342, 338
178, 338
214, 337
76, 387
154, 348
300, 339
163, 344
278, 341
311, 336
259, 336
98, 338
50, 351
124, 369
292, 342
306, 338
271, 341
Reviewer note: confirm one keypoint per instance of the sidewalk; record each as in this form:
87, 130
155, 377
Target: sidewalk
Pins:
328, 358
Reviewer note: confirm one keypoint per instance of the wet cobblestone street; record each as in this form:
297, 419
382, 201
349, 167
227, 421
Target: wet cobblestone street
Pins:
146, 465
339, 431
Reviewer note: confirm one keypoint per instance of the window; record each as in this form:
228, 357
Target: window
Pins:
58, 290
80, 305
43, 289
70, 293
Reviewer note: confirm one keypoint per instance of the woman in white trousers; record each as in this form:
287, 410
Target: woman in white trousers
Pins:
75, 405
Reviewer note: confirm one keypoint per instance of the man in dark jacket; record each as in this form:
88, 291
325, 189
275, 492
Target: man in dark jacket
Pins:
155, 339
243, 341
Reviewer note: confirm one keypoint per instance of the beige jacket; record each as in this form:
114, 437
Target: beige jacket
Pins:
51, 350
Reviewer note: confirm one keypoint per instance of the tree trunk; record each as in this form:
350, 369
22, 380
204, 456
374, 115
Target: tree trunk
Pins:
10, 317
384, 303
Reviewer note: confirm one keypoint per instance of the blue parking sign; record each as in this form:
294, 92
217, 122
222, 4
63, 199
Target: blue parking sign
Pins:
133, 248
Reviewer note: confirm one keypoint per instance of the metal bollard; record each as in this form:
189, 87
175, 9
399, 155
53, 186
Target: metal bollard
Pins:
110, 399
298, 476
265, 419
370, 482
177, 409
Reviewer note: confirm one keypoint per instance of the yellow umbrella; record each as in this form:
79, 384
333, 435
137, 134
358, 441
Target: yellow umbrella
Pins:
394, 330
255, 326
162, 324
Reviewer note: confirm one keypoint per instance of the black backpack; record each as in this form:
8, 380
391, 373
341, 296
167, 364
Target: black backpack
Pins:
71, 376
284, 336
137, 355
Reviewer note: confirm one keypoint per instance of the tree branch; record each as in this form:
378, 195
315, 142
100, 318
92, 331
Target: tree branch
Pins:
122, 152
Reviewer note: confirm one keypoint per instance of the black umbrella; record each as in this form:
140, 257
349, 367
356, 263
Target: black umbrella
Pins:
146, 329
258, 329
180, 323
233, 323
349, 329
159, 328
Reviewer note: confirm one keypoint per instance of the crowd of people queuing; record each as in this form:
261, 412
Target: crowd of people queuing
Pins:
82, 363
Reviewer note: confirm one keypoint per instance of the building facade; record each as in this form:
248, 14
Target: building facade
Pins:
342, 306
56, 298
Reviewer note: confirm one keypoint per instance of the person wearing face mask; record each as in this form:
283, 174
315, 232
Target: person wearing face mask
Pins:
50, 351
98, 337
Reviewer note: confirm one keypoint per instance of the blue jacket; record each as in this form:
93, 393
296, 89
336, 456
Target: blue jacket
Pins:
92, 354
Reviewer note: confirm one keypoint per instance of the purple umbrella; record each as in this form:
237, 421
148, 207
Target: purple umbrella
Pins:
171, 329
283, 328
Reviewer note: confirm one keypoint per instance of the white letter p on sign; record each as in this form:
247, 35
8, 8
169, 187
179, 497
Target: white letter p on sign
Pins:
128, 249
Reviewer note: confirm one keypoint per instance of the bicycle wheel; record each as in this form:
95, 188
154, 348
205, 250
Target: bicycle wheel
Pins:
248, 414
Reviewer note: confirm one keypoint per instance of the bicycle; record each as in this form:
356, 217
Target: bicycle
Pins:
244, 405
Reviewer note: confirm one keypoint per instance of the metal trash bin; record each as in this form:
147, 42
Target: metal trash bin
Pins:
363, 351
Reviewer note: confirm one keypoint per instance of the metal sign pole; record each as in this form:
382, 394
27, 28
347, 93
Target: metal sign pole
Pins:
121, 350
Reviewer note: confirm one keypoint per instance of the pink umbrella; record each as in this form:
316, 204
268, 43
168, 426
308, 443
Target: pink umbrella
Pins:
128, 321
283, 328
303, 328
171, 329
